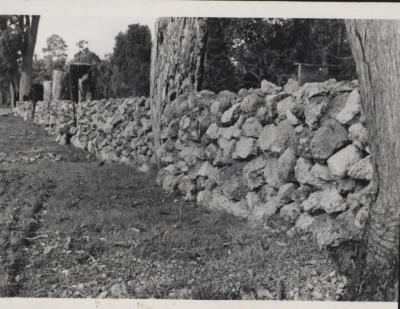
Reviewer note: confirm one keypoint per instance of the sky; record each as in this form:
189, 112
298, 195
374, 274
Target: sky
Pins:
100, 32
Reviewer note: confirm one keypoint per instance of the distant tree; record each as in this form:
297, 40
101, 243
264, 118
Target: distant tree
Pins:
131, 62
85, 55
55, 54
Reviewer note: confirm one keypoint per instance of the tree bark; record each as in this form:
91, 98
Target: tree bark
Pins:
375, 45
177, 66
30, 34
12, 95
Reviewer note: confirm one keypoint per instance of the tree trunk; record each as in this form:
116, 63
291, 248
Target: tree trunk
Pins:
375, 45
177, 63
30, 35
12, 95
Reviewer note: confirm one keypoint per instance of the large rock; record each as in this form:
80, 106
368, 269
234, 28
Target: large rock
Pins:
343, 160
286, 163
245, 148
252, 127
229, 132
231, 115
332, 232
212, 132
271, 173
314, 110
253, 172
363, 169
268, 87
351, 108
358, 134
284, 106
304, 222
250, 103
316, 175
328, 199
209, 171
327, 139
234, 188
276, 139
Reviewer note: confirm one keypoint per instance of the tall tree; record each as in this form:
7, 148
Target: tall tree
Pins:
29, 26
375, 45
131, 61
85, 55
177, 63
55, 53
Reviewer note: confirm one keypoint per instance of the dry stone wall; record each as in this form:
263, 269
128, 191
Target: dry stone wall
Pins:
117, 130
297, 153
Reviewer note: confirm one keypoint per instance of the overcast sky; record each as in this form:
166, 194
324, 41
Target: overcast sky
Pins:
99, 31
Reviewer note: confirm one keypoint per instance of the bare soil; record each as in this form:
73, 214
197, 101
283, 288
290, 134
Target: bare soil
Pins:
71, 226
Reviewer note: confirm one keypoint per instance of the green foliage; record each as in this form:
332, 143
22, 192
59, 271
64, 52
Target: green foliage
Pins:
242, 52
55, 54
85, 55
131, 62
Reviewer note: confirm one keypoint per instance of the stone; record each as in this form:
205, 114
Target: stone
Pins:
226, 146
292, 118
358, 134
212, 132
327, 139
217, 200
266, 192
314, 110
252, 127
253, 173
324, 230
362, 169
286, 163
231, 115
268, 87
314, 89
284, 194
291, 86
271, 173
250, 103
304, 222
209, 171
284, 106
244, 148
343, 160
301, 193
316, 175
351, 108
290, 212
276, 139
234, 188
328, 199
365, 197
229, 132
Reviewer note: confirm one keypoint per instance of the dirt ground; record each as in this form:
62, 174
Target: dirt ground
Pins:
71, 226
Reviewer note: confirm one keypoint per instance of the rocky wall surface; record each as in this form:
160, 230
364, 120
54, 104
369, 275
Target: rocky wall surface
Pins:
299, 153
116, 130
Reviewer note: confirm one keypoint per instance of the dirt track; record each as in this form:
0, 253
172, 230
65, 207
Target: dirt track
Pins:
73, 227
